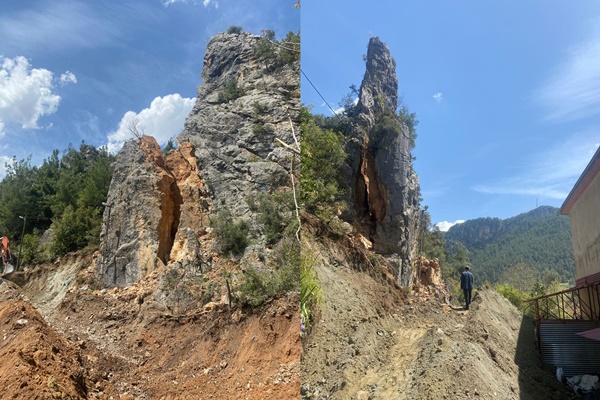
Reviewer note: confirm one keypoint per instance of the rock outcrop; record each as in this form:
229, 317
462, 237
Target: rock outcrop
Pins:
236, 136
229, 153
385, 193
153, 204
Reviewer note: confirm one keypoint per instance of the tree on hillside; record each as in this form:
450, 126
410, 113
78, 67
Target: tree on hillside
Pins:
456, 260
66, 193
520, 276
20, 196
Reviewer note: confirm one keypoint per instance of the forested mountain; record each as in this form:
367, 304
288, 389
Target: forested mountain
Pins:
540, 238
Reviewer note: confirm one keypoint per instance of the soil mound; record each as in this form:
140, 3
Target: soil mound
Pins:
120, 344
364, 347
36, 361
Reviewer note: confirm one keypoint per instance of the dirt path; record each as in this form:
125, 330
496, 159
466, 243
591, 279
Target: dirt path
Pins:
367, 347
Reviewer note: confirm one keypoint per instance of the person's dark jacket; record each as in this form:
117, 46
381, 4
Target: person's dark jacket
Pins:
466, 280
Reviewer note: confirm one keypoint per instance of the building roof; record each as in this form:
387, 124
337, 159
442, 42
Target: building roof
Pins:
588, 175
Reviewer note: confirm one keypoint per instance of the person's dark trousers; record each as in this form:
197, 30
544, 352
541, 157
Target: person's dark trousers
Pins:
467, 293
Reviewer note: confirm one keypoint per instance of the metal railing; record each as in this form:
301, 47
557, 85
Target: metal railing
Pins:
578, 303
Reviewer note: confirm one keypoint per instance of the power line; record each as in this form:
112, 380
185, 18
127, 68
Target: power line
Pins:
321, 96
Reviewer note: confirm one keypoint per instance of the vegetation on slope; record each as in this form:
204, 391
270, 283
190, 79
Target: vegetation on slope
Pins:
65, 193
541, 239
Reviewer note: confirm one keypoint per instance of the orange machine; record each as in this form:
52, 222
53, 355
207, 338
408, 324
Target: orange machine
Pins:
5, 249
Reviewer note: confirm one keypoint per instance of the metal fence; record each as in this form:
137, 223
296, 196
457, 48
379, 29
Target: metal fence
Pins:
578, 303
560, 317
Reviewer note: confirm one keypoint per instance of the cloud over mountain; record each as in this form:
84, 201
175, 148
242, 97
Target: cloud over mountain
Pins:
162, 120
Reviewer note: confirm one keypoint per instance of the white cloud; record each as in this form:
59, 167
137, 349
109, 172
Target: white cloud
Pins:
573, 90
162, 120
206, 3
4, 160
550, 174
25, 93
339, 111
445, 225
68, 77
438, 97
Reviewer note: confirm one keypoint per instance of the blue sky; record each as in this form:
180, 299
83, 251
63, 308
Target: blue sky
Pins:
73, 70
507, 92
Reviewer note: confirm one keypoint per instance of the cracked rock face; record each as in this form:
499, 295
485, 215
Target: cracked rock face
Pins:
385, 187
236, 140
151, 198
158, 206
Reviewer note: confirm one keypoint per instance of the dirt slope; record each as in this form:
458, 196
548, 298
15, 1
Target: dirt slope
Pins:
36, 362
118, 344
365, 348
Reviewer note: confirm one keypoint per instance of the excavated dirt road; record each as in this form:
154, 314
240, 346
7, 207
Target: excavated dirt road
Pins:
64, 340
366, 346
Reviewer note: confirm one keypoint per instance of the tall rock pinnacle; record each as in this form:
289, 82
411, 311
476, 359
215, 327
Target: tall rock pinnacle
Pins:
379, 88
386, 188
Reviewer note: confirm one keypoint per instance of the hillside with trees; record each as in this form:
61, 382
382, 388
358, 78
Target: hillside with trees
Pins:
60, 200
539, 239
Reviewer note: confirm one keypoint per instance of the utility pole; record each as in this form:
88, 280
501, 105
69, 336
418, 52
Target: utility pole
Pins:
21, 246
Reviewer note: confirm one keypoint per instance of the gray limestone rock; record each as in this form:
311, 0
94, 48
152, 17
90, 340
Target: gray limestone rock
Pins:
237, 141
386, 188
230, 151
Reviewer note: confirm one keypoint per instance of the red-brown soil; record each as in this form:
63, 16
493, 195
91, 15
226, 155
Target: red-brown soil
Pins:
119, 344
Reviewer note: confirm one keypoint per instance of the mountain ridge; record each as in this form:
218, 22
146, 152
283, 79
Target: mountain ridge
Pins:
540, 238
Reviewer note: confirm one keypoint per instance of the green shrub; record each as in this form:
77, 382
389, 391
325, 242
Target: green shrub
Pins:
287, 52
31, 249
513, 295
274, 214
320, 163
75, 229
261, 129
212, 288
231, 236
310, 290
170, 146
264, 50
259, 109
231, 92
258, 287
290, 50
234, 29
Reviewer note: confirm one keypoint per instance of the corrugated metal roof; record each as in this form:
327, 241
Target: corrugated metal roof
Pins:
563, 347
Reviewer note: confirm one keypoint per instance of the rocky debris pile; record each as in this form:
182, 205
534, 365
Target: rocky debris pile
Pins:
430, 272
385, 195
429, 280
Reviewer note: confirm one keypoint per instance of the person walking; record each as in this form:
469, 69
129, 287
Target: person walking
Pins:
466, 284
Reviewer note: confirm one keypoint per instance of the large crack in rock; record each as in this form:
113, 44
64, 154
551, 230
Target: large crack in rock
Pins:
144, 213
170, 199
370, 193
